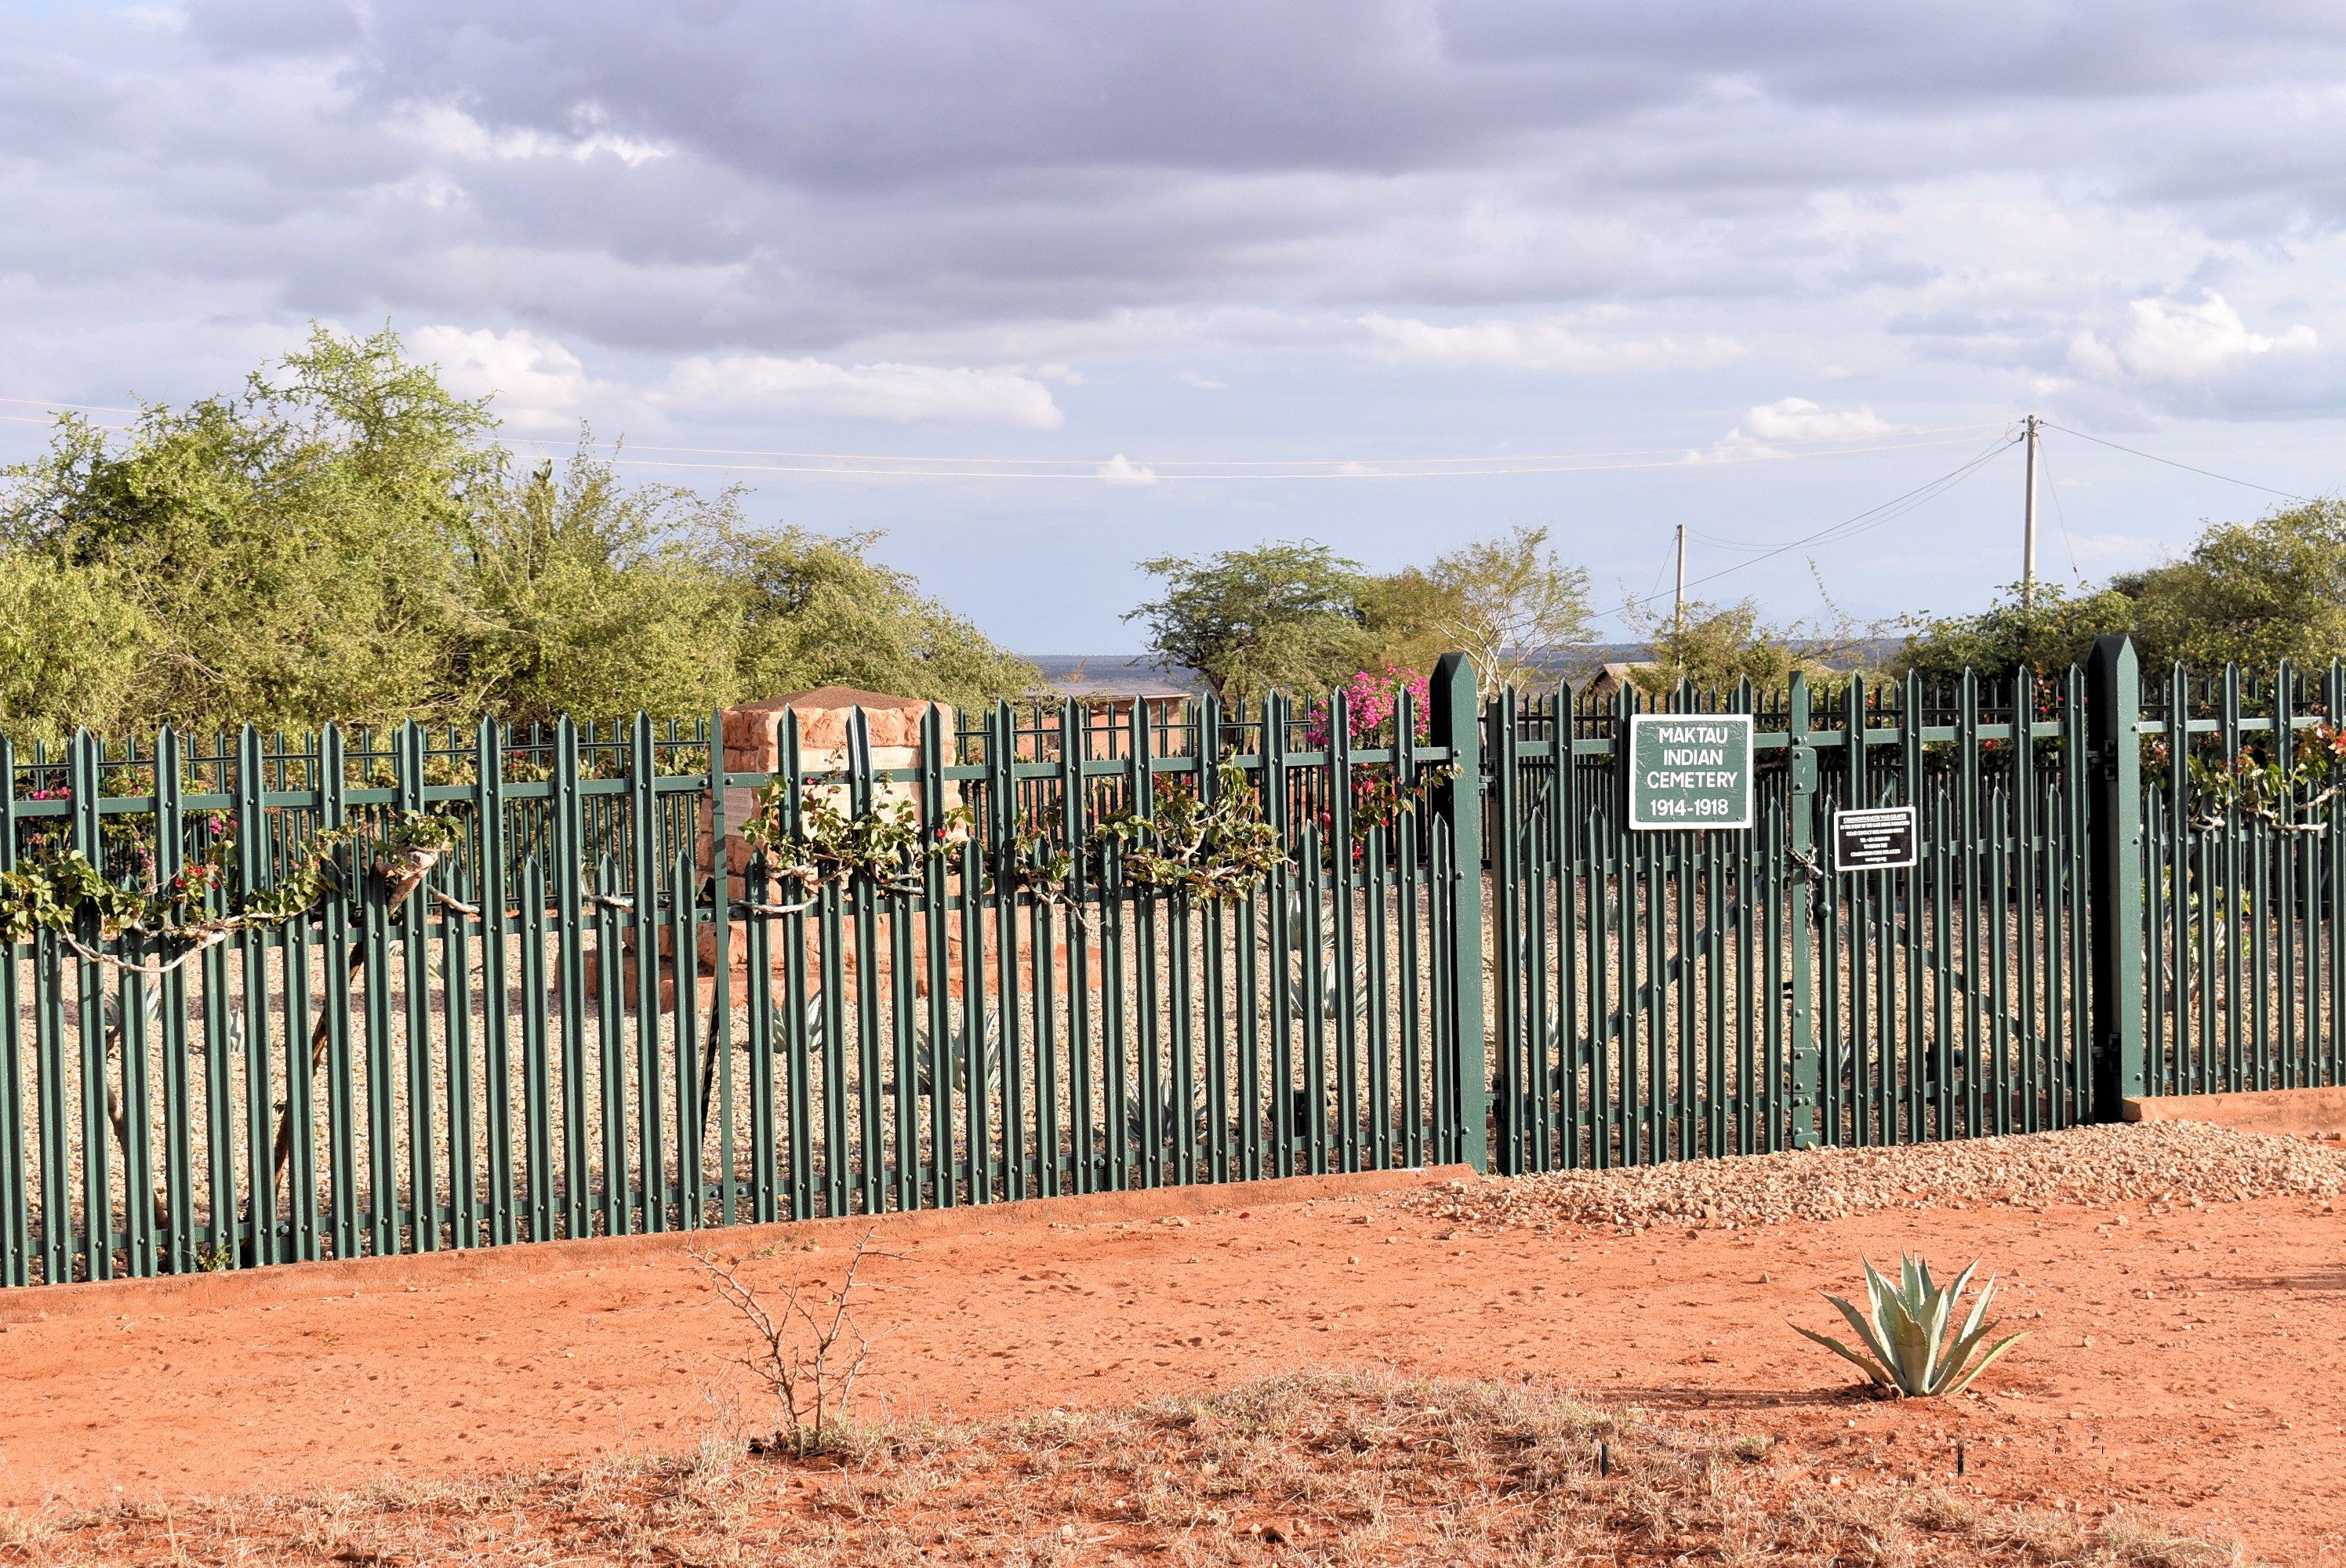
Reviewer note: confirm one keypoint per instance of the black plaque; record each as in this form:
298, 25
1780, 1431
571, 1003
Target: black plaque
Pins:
1879, 839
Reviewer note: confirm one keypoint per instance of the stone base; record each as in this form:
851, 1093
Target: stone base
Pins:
2306, 1112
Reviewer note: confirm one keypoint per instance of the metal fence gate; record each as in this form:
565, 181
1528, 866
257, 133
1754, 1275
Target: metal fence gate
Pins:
1674, 994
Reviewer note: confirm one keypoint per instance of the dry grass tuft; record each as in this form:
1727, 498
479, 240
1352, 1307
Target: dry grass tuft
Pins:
1360, 1468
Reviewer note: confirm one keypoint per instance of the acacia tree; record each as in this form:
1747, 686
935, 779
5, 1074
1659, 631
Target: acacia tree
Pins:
1512, 607
288, 552
815, 610
2256, 592
345, 539
1713, 646
1716, 645
69, 645
1279, 617
596, 600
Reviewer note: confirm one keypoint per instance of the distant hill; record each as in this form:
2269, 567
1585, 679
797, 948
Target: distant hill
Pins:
1105, 671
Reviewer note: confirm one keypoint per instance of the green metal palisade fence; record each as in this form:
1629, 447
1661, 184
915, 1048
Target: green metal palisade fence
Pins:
2243, 971
498, 1066
581, 1024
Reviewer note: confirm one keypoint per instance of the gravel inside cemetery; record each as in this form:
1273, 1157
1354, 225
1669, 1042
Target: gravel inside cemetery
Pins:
2181, 1163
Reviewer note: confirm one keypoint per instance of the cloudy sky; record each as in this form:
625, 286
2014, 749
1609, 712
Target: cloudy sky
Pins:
1041, 289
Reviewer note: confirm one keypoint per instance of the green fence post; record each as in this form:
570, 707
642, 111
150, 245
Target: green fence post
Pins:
1456, 722
2113, 714
1801, 831
16, 1216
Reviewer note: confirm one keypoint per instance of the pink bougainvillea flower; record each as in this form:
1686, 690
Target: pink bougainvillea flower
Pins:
1372, 700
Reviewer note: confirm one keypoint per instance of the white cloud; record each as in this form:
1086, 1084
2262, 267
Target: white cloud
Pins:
445, 129
1539, 343
769, 383
2173, 340
1792, 420
1799, 419
537, 382
1203, 384
1122, 469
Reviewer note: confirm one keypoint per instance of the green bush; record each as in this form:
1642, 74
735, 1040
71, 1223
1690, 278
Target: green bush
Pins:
69, 643
345, 539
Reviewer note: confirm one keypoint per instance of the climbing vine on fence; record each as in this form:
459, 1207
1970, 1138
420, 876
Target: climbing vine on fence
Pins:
2282, 782
826, 846
59, 890
1215, 846
1211, 845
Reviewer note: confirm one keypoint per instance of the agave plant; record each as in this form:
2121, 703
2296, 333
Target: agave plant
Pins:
1293, 975
1168, 1118
778, 1023
957, 1054
1906, 1337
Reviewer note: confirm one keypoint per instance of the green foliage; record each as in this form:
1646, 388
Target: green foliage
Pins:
1279, 617
1907, 1352
595, 600
815, 611
2282, 783
286, 550
1511, 606
2257, 593
2252, 593
2051, 633
57, 891
1208, 849
1300, 618
1715, 646
345, 540
69, 643
1404, 615
827, 846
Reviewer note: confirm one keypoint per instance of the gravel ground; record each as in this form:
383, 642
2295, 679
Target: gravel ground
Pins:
2185, 1162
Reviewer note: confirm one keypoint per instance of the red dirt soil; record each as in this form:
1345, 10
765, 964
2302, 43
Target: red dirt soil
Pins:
2190, 1366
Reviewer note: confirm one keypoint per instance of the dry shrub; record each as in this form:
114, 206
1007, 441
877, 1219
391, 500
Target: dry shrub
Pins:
806, 1350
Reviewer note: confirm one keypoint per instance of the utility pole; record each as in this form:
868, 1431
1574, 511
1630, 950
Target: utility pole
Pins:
2028, 527
1677, 604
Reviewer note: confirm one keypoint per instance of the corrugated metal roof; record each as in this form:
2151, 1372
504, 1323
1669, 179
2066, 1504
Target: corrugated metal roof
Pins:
1112, 684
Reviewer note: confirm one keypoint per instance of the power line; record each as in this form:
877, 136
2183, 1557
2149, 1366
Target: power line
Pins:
1873, 517
1493, 458
2061, 517
1665, 566
1144, 473
2208, 473
1152, 470
76, 407
1856, 524
28, 419
1091, 471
